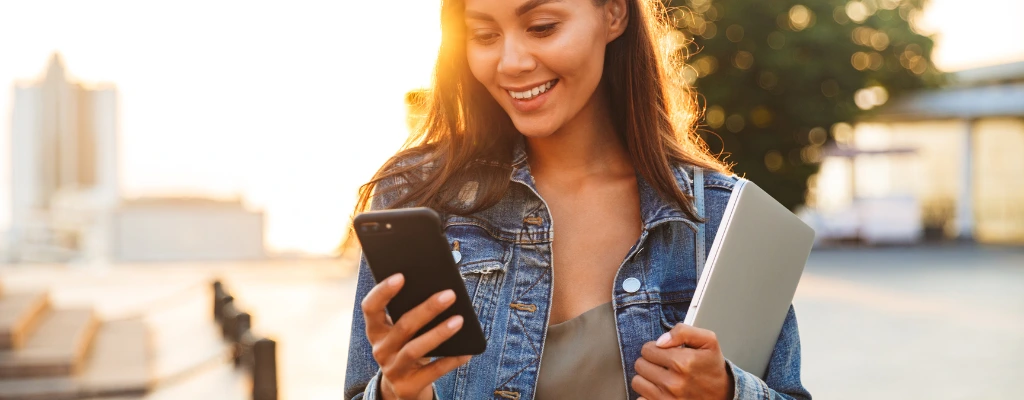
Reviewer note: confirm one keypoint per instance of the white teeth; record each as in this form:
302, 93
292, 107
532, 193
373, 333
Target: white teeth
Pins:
529, 94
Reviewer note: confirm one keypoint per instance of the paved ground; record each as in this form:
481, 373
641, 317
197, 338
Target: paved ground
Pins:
898, 323
927, 323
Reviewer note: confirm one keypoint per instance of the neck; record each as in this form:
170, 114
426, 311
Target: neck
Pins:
585, 146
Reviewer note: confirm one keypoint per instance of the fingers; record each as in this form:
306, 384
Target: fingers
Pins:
685, 335
420, 346
396, 338
374, 304
645, 388
666, 380
414, 320
667, 358
436, 369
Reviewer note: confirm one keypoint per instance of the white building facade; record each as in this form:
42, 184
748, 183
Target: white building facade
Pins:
953, 156
66, 201
63, 146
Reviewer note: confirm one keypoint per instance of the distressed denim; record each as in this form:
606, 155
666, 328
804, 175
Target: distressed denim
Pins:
506, 264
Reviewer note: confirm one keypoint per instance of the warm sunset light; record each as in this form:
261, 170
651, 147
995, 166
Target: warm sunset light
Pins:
177, 182
290, 108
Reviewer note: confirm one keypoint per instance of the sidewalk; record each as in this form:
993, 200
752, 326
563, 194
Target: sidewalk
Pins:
896, 323
922, 323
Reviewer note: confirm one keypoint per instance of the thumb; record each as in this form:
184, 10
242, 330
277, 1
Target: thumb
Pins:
688, 336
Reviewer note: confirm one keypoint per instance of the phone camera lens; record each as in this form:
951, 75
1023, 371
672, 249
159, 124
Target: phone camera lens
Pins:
370, 227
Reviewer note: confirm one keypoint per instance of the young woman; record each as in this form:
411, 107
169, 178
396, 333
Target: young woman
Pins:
567, 112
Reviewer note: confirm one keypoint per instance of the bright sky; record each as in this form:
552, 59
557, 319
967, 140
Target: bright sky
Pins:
292, 106
975, 33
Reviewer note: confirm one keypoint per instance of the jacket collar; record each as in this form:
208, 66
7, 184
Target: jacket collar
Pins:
654, 209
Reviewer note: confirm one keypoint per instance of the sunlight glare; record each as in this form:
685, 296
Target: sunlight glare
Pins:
290, 106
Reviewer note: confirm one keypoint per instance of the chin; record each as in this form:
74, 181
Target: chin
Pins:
535, 133
535, 127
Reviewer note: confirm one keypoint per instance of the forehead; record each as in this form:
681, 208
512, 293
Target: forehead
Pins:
517, 8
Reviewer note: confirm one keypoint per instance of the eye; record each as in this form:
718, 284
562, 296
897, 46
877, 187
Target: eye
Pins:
484, 37
543, 30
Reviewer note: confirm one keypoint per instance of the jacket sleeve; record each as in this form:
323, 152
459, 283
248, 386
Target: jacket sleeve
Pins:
362, 373
782, 378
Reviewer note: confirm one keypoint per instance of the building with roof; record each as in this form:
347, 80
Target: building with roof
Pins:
954, 155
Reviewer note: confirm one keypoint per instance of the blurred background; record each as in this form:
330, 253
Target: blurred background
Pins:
149, 149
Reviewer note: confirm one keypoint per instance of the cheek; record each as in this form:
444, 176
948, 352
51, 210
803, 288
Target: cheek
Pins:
481, 65
576, 55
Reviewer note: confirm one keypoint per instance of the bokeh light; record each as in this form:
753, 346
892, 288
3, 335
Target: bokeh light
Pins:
800, 17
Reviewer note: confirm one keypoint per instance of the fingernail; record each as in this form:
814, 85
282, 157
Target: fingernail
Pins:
455, 322
446, 296
663, 339
395, 280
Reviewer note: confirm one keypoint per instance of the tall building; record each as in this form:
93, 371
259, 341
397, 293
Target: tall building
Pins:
64, 148
66, 202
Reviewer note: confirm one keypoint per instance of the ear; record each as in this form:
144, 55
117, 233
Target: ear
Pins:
616, 15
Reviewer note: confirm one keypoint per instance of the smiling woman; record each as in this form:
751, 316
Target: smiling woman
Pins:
575, 111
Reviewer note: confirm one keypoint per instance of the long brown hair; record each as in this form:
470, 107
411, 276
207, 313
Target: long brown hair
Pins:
652, 110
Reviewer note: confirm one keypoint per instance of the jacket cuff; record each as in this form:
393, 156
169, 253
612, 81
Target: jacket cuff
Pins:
372, 391
747, 386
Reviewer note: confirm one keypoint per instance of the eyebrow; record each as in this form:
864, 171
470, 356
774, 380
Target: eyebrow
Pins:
523, 9
529, 5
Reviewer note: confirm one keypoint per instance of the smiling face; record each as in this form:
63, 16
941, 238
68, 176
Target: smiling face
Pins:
541, 60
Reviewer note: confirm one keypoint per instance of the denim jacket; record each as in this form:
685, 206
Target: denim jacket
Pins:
506, 265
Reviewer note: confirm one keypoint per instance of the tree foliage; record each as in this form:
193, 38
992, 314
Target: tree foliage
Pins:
779, 79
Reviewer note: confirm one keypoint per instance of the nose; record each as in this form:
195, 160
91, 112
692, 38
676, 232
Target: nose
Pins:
515, 57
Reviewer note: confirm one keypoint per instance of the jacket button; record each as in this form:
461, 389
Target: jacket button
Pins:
631, 285
457, 256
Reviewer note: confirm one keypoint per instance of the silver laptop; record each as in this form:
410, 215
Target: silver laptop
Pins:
751, 274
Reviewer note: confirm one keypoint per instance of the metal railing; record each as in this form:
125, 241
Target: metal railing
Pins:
256, 354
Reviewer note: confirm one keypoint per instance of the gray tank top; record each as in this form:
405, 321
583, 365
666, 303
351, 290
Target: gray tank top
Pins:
581, 359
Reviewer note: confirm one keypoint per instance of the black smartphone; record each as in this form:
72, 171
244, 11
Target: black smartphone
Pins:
411, 241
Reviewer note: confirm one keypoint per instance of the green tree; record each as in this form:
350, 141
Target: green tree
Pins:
779, 78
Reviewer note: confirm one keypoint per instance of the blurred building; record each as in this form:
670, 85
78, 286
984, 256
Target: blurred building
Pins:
182, 229
63, 145
951, 159
66, 201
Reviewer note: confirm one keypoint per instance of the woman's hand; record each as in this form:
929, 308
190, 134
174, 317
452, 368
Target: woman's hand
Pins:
685, 363
406, 373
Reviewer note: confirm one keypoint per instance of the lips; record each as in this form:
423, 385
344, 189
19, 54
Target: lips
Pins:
530, 93
531, 98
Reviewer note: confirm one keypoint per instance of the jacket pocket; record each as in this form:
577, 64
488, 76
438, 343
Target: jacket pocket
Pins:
482, 261
674, 312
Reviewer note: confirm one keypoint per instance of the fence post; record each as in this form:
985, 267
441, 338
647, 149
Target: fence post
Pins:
243, 323
229, 314
264, 374
219, 304
218, 293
